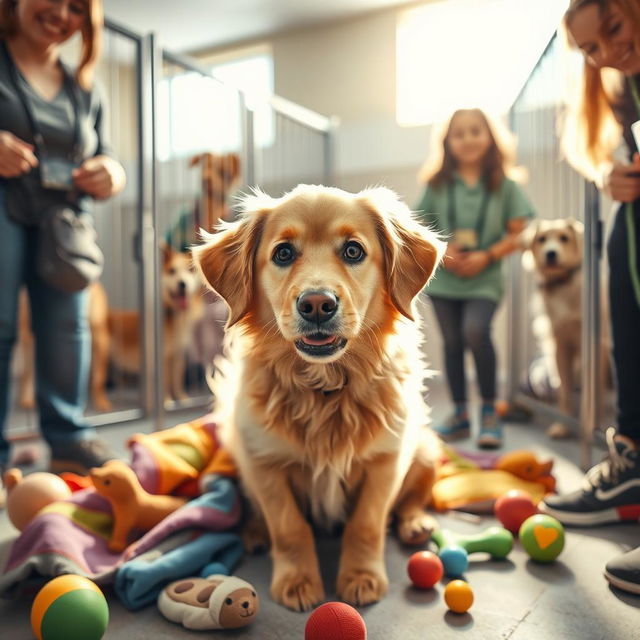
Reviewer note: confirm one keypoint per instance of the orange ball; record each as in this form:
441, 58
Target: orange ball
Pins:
458, 596
425, 569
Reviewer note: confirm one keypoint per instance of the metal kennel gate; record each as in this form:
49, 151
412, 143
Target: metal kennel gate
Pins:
142, 84
557, 191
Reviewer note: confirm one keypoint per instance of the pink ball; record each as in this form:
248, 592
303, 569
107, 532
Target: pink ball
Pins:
513, 508
425, 569
335, 621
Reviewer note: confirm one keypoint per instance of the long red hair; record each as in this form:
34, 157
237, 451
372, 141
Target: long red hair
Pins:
589, 129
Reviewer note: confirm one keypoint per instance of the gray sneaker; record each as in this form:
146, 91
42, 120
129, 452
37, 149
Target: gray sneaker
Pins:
80, 456
623, 571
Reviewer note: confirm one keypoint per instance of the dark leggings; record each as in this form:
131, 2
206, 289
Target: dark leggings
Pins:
467, 324
625, 323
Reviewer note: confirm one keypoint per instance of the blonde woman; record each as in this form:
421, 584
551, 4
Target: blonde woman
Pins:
52, 150
607, 32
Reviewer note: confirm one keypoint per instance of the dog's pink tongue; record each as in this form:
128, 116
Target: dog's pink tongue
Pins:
182, 302
318, 341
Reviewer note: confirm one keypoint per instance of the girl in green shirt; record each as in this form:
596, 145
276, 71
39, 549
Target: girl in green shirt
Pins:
481, 212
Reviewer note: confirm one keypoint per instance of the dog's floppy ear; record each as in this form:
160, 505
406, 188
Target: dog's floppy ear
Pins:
411, 251
226, 261
528, 235
577, 227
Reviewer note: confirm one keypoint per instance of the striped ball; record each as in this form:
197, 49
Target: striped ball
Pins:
69, 607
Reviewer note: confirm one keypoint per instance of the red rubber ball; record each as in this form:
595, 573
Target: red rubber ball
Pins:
513, 508
335, 621
425, 569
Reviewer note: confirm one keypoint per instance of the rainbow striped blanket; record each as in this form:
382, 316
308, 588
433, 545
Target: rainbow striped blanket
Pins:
72, 536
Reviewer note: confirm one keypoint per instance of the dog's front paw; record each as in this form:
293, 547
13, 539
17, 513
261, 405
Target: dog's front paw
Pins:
416, 528
362, 586
297, 589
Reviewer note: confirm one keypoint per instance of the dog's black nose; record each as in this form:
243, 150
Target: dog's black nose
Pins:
317, 306
182, 286
552, 257
245, 604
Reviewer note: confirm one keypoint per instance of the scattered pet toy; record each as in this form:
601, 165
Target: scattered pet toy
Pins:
542, 537
335, 621
216, 602
425, 569
70, 607
26, 496
513, 508
477, 489
132, 506
459, 596
454, 550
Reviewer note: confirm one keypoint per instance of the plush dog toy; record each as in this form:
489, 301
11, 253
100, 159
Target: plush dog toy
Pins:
133, 507
216, 602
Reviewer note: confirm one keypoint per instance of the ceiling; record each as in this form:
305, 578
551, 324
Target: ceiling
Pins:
189, 25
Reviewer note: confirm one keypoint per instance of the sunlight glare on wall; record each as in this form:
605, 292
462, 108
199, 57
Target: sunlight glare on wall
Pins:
468, 53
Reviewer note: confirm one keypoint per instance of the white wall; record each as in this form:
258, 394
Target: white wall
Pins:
347, 70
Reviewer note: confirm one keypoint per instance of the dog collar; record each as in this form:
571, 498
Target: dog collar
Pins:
556, 282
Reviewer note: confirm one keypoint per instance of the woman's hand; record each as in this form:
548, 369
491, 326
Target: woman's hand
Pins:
100, 177
451, 259
471, 263
622, 182
16, 156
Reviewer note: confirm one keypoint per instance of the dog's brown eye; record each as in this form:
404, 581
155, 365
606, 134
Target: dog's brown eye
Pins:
353, 252
284, 254
542, 239
228, 601
564, 239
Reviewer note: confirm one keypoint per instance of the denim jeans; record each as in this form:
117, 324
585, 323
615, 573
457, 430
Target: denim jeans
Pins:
62, 340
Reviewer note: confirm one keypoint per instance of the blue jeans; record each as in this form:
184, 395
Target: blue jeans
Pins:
62, 339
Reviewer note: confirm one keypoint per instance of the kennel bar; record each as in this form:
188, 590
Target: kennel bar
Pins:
557, 191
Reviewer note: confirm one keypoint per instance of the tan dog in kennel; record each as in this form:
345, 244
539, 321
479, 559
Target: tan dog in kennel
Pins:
556, 250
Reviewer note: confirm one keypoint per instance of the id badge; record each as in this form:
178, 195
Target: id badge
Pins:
55, 173
466, 239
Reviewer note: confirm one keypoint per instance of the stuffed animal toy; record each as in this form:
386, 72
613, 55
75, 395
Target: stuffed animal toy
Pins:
468, 485
216, 602
132, 506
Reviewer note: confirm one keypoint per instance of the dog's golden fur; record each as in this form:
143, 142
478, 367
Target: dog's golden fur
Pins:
340, 436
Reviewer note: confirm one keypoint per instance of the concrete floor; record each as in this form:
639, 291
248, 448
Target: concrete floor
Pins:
514, 598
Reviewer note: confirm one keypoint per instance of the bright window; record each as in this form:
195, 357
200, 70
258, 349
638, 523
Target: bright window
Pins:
198, 113
468, 53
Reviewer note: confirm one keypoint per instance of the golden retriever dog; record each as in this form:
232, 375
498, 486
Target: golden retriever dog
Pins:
98, 307
556, 247
320, 400
182, 308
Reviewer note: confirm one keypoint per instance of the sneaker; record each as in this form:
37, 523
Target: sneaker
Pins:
80, 456
610, 491
490, 430
455, 427
623, 571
